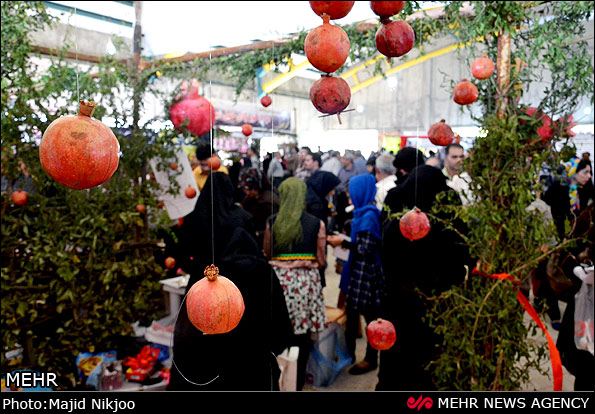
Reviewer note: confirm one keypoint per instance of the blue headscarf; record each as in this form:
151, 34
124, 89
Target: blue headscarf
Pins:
366, 216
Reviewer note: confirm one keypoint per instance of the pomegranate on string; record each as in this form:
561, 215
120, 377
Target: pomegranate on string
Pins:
214, 304
194, 109
330, 95
393, 38
170, 262
441, 134
266, 101
327, 46
335, 9
386, 9
247, 129
414, 225
78, 151
381, 334
482, 67
465, 93
214, 163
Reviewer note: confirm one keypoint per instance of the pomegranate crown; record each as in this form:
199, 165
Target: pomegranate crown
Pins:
211, 272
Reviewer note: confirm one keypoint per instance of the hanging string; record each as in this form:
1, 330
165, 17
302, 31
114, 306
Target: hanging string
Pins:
171, 346
76, 56
417, 137
211, 158
273, 274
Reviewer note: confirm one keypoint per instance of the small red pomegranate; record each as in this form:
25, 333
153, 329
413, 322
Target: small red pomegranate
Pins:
214, 163
214, 304
465, 93
441, 134
19, 197
381, 334
247, 129
394, 39
78, 151
190, 191
170, 262
414, 225
180, 221
330, 95
335, 9
266, 101
196, 109
386, 9
327, 46
483, 67
141, 208
173, 166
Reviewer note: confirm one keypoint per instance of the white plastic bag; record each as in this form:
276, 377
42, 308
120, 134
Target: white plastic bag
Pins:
583, 310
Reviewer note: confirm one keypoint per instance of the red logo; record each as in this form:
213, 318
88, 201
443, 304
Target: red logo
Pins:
420, 403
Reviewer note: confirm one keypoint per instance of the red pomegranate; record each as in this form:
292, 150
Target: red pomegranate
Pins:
483, 67
196, 109
266, 100
190, 191
19, 197
330, 95
141, 208
441, 134
414, 225
386, 9
381, 334
247, 129
335, 9
173, 165
170, 262
214, 163
180, 221
465, 93
327, 46
78, 151
394, 39
214, 304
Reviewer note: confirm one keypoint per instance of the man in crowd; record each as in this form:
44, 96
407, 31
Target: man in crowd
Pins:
458, 179
311, 164
203, 169
333, 163
385, 178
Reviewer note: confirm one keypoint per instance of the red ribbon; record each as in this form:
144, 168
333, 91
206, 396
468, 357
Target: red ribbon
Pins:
554, 353
144, 360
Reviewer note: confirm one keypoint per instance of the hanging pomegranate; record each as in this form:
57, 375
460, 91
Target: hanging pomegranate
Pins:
199, 112
247, 129
180, 221
335, 9
266, 101
78, 151
214, 304
190, 191
19, 197
327, 46
394, 39
441, 134
141, 208
414, 225
381, 334
386, 9
173, 166
330, 95
170, 262
214, 163
483, 67
465, 93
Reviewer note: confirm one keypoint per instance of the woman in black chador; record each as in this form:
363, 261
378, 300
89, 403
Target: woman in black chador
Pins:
245, 358
432, 264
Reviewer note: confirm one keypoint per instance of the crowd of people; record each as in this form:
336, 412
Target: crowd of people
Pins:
269, 223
